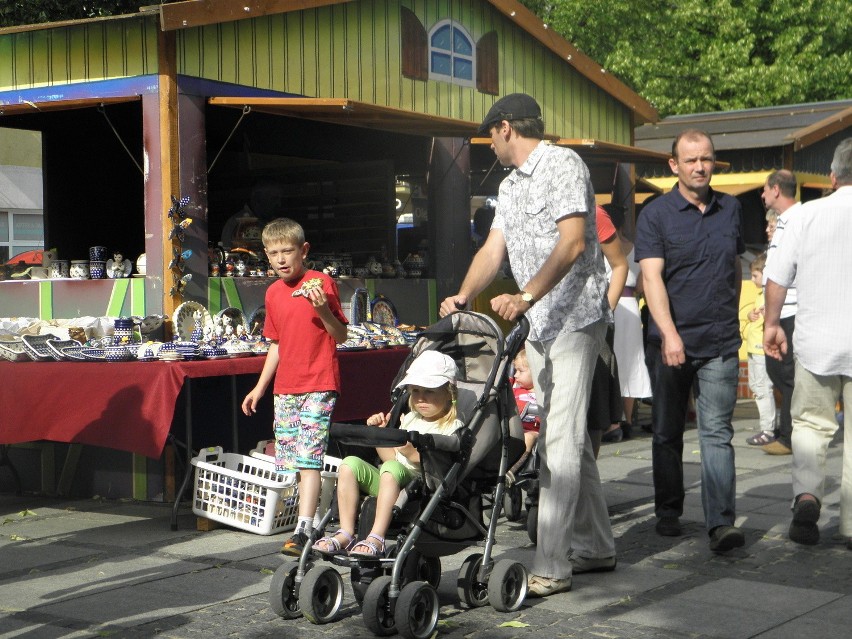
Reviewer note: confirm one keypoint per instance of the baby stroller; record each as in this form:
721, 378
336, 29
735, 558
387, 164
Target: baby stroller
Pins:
438, 514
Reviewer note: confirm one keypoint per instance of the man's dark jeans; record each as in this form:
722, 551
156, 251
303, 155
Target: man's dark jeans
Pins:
714, 383
783, 374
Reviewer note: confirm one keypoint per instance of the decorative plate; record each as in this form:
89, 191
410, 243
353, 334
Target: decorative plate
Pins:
184, 320
383, 312
94, 354
58, 348
257, 321
359, 306
36, 346
237, 317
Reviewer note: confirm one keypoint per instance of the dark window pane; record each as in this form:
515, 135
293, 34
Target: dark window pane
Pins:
440, 63
461, 44
4, 226
441, 38
462, 69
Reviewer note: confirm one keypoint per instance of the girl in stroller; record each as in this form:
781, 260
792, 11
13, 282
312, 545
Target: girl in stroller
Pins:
431, 381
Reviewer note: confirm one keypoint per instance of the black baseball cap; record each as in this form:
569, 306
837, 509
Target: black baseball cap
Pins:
515, 106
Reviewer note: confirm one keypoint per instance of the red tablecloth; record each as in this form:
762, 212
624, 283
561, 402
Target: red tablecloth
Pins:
130, 405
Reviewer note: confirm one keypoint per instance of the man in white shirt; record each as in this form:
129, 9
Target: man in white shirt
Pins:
815, 253
779, 193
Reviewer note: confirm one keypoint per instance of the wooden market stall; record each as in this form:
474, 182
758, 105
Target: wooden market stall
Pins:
320, 110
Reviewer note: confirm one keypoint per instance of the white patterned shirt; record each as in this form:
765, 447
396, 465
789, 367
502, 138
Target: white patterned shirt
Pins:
789, 308
815, 255
553, 183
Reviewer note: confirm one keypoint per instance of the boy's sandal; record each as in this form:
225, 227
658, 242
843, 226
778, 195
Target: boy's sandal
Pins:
372, 550
330, 545
761, 439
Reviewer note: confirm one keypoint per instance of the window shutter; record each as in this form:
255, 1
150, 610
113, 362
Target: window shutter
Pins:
414, 47
487, 69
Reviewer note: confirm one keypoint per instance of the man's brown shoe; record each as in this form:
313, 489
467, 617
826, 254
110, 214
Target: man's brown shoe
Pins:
776, 448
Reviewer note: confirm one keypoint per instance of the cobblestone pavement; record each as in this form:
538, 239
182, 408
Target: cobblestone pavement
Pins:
93, 568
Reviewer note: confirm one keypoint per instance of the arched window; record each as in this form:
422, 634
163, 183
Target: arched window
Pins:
451, 54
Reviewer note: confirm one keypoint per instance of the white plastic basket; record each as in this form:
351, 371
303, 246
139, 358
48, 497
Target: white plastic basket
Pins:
328, 474
244, 492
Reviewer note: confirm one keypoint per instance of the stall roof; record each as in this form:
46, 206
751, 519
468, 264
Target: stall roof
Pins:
739, 183
355, 113
60, 105
598, 151
799, 125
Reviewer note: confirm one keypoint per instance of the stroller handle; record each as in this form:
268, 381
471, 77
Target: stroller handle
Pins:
358, 435
516, 337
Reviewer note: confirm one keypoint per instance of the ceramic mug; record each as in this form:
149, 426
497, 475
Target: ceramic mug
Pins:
59, 269
79, 269
97, 253
97, 270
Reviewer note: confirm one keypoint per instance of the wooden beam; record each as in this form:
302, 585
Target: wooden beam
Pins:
822, 129
169, 157
197, 13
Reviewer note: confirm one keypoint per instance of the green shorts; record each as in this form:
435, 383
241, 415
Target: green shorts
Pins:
368, 475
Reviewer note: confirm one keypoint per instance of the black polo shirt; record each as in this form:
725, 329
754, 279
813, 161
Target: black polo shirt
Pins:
700, 271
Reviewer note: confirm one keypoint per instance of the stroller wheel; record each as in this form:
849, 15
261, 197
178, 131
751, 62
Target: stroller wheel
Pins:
507, 586
283, 597
420, 568
361, 578
376, 607
416, 612
513, 501
472, 592
532, 523
322, 594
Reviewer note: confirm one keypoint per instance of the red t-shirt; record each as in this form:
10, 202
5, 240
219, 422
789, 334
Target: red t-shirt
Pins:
307, 353
606, 229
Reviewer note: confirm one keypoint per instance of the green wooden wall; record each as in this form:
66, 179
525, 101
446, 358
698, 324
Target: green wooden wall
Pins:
352, 50
82, 53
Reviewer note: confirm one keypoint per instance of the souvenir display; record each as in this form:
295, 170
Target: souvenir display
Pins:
256, 322
185, 317
382, 311
236, 316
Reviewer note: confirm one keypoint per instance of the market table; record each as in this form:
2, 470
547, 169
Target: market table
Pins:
130, 405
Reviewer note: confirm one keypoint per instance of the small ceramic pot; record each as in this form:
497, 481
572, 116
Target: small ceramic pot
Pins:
98, 254
59, 269
79, 269
140, 264
97, 270
123, 331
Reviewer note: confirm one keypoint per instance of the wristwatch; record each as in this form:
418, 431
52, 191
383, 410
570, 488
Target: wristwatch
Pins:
528, 298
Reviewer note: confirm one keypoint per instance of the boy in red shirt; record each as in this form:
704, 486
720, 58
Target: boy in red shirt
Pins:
305, 323
522, 387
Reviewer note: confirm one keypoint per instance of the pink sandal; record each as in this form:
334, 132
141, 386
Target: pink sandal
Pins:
332, 544
374, 550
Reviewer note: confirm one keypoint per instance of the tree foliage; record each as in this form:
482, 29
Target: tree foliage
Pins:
17, 12
714, 55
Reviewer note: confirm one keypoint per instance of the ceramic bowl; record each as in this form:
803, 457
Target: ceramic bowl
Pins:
79, 269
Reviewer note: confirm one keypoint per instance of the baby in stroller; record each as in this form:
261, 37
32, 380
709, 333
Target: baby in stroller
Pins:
431, 384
